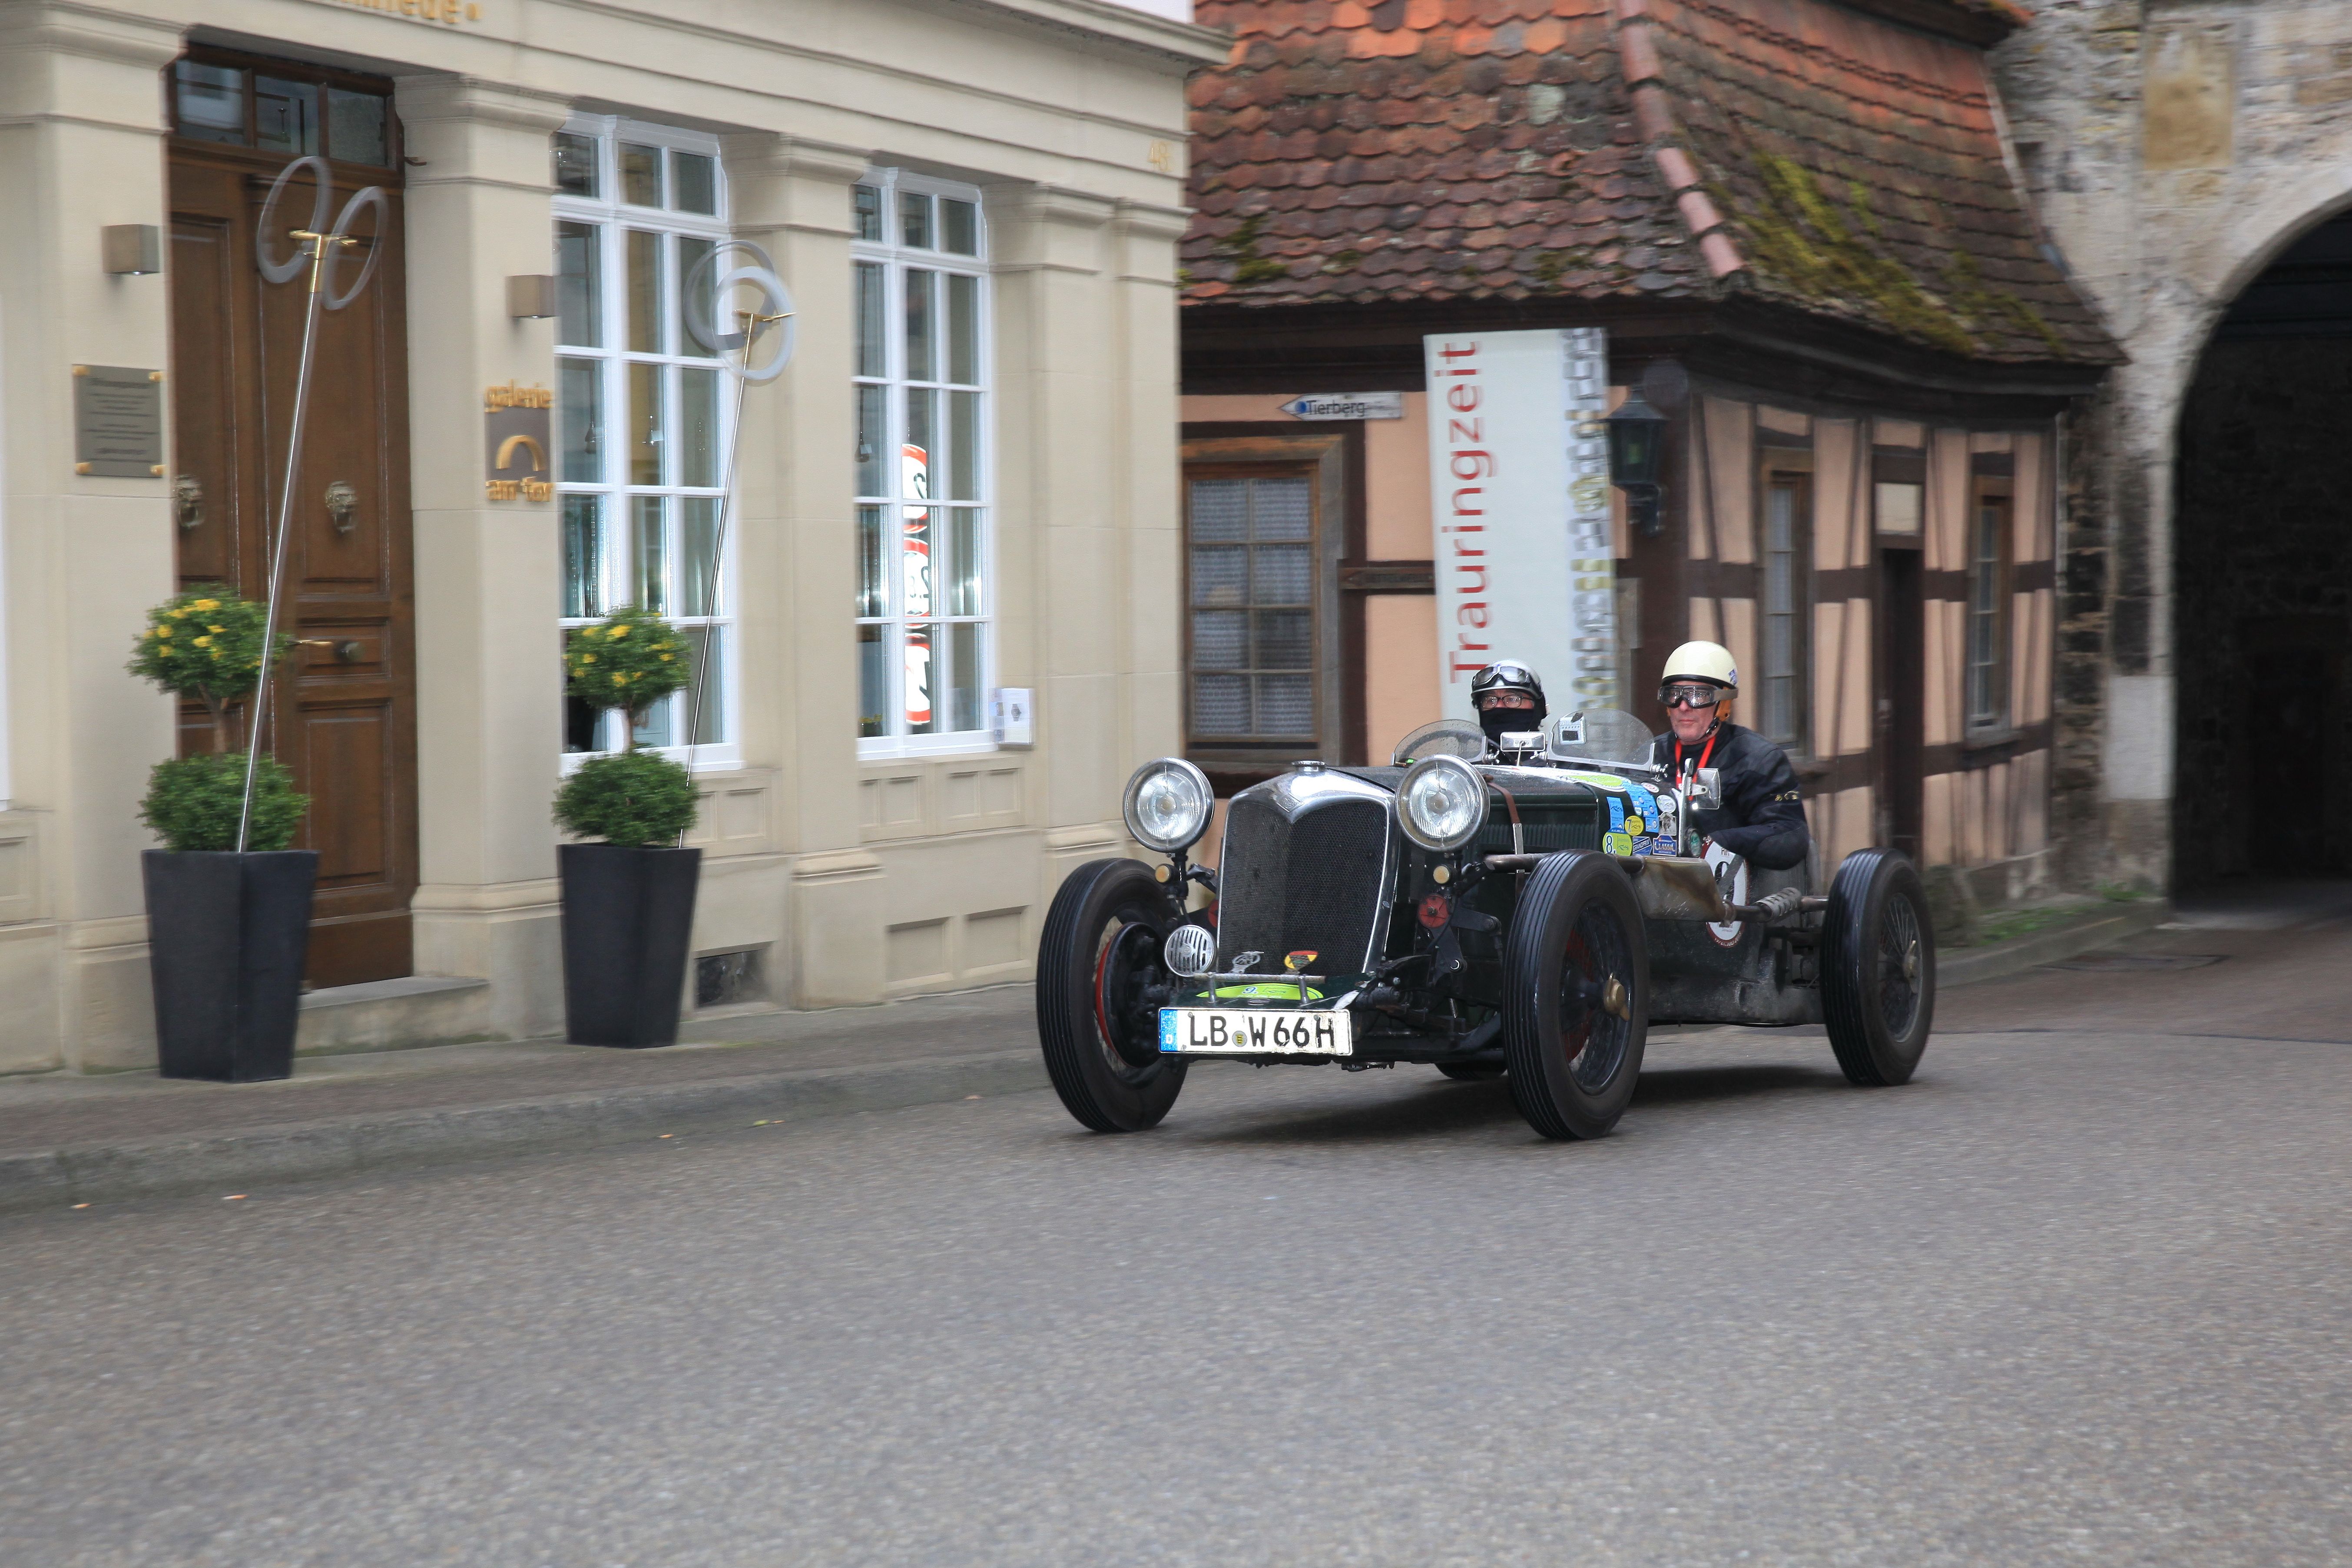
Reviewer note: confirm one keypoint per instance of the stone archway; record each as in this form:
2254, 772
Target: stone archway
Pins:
2261, 575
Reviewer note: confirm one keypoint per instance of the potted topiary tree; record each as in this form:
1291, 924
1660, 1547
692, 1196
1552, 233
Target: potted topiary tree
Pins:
228, 931
628, 902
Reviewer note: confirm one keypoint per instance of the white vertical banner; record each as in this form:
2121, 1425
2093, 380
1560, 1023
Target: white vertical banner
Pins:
1519, 507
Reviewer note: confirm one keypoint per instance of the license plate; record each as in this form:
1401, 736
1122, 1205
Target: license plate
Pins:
1255, 1031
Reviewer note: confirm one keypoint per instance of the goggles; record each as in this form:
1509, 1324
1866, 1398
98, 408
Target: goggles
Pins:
1692, 694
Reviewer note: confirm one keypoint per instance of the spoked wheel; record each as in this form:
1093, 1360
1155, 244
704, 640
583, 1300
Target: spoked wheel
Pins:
1099, 1030
1576, 976
1878, 968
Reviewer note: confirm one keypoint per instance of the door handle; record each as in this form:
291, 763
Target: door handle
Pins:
188, 501
349, 652
342, 506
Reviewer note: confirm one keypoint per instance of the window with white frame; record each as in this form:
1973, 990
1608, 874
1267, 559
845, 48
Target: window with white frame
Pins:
925, 584
643, 415
1786, 608
1988, 621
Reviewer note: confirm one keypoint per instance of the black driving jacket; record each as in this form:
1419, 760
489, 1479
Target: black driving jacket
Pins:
1762, 818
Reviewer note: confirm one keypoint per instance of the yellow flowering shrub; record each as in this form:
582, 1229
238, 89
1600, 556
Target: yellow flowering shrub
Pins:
205, 644
631, 660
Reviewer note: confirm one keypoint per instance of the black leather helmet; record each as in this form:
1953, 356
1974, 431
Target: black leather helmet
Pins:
1506, 676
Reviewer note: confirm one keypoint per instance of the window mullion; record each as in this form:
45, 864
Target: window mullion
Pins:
894, 447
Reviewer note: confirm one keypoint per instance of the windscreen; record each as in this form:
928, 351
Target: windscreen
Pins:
1610, 734
1446, 737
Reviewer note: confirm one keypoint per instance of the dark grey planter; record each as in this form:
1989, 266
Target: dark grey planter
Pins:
628, 920
227, 938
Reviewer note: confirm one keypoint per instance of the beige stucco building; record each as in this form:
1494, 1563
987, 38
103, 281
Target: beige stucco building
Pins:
974, 204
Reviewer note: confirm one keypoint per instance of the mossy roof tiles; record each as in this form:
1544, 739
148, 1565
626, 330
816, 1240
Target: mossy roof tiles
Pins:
1461, 150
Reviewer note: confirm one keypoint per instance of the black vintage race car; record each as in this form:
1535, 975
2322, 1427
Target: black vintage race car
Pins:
1524, 912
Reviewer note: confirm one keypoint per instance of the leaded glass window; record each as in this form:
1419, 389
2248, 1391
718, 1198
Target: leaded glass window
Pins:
1250, 576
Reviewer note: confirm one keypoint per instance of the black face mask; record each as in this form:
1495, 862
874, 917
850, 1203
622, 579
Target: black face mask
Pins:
1496, 721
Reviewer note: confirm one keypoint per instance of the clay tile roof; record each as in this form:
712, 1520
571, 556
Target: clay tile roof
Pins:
1423, 150
1811, 152
1858, 172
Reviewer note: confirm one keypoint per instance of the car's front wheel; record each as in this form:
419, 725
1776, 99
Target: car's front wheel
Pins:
1099, 1030
1878, 968
1576, 976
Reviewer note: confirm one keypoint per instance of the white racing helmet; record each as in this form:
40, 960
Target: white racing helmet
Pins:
1703, 662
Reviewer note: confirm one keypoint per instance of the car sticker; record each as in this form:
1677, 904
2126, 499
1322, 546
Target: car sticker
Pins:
1616, 815
1618, 844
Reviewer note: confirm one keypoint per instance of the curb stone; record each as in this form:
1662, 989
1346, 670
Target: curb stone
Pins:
1967, 967
309, 1151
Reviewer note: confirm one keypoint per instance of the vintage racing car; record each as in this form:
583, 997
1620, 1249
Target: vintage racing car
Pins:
1527, 910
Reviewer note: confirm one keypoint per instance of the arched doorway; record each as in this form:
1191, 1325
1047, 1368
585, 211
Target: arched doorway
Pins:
2263, 579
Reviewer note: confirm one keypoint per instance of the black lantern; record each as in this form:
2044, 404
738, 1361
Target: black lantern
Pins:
1637, 440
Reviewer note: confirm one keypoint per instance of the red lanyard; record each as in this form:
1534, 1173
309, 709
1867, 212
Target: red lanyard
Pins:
1711, 738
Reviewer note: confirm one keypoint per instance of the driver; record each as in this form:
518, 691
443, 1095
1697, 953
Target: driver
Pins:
1508, 696
1762, 816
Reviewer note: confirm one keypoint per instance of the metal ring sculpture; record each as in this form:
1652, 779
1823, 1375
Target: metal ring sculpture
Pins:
321, 247
333, 239
776, 307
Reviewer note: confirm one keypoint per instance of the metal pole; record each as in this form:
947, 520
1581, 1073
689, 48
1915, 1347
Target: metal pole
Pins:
711, 576
318, 244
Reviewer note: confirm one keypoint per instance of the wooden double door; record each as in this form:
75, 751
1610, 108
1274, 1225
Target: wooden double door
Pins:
343, 710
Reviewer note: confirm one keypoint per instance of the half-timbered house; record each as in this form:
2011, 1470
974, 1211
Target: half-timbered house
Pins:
1799, 225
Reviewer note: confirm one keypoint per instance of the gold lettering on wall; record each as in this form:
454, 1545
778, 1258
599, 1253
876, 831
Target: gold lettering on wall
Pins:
447, 13
513, 396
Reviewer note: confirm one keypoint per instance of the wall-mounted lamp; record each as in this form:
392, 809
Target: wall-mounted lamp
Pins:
1637, 440
129, 250
530, 296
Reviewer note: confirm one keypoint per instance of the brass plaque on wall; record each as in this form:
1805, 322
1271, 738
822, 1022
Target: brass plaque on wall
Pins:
518, 431
117, 421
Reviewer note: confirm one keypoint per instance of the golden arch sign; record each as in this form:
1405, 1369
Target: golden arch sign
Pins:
517, 422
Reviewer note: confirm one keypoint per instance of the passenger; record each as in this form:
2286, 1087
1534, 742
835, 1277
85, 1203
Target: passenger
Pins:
1762, 815
1508, 696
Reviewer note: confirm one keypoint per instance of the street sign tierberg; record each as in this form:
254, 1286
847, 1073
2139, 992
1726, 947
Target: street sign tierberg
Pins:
1347, 405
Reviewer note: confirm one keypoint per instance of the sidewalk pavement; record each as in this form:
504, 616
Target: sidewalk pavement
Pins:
67, 1138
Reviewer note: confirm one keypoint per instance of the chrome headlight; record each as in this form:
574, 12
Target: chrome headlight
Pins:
1167, 805
1442, 803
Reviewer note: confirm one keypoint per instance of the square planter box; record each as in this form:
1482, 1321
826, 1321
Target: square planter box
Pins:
227, 938
628, 920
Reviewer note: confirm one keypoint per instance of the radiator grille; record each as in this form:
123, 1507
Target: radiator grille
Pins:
1314, 882
1548, 833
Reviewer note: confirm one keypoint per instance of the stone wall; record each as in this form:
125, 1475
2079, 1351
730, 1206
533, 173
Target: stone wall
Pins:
2173, 148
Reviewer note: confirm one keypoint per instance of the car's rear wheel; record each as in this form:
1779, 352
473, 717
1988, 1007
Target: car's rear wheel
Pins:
1099, 1031
1576, 978
1471, 1071
1878, 968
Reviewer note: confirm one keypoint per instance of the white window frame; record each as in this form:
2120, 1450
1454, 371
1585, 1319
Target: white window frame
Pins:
615, 217
1796, 733
1985, 652
895, 260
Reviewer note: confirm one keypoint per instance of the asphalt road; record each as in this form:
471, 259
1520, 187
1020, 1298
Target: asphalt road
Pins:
2077, 1294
